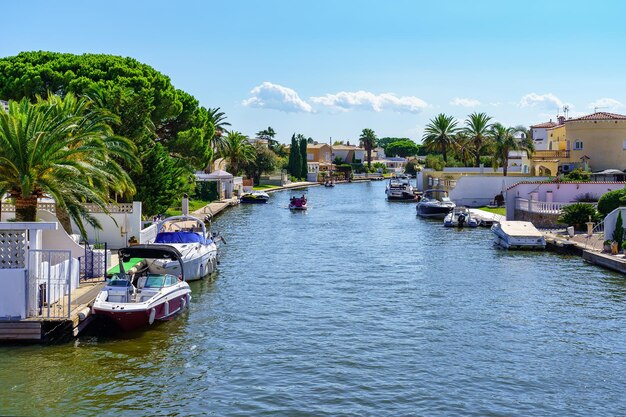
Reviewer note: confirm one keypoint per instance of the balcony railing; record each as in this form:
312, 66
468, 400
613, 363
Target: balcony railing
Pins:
550, 154
534, 206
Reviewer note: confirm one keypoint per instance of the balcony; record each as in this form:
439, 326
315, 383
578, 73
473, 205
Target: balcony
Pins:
541, 155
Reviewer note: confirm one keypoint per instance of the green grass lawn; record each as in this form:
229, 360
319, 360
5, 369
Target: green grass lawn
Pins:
499, 210
193, 206
264, 187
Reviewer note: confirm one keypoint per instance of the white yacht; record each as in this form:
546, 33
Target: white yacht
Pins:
189, 236
399, 188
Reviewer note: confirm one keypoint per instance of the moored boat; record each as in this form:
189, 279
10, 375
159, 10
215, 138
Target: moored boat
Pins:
189, 236
254, 197
518, 235
460, 217
399, 189
434, 203
138, 298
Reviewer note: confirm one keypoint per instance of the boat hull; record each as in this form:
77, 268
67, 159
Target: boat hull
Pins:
196, 264
433, 211
508, 241
135, 316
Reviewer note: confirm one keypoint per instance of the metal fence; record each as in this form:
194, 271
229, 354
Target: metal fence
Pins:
52, 274
93, 264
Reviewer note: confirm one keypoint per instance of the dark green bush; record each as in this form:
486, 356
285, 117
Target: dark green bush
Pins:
578, 175
577, 215
611, 200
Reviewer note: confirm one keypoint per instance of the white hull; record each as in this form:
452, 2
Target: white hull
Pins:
198, 261
509, 236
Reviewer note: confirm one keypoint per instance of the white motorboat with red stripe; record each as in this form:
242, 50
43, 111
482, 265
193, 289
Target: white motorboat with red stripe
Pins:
138, 298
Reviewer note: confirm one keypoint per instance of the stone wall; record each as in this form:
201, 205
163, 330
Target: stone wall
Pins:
541, 220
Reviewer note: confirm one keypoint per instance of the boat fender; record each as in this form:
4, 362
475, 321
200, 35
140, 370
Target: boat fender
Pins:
183, 302
152, 316
166, 308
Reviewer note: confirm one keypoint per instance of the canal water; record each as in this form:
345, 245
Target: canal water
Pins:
353, 308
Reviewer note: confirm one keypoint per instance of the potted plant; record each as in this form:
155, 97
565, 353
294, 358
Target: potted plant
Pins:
624, 247
614, 248
607, 246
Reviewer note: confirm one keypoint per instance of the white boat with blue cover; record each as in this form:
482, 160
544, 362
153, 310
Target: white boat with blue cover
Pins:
189, 236
518, 235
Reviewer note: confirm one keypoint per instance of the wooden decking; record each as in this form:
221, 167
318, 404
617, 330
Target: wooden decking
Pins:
44, 329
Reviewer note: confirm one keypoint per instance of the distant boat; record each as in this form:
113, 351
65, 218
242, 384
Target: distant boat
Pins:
400, 189
460, 217
434, 203
298, 203
518, 235
254, 197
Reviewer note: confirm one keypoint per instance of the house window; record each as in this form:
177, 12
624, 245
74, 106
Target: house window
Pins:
578, 145
309, 156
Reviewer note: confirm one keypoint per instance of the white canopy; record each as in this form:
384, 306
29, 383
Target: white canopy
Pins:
215, 175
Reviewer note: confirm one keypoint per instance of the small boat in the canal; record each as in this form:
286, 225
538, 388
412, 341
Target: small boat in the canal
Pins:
400, 189
518, 235
329, 183
460, 217
298, 203
435, 203
137, 298
190, 237
254, 197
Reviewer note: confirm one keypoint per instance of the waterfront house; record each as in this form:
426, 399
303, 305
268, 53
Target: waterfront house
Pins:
4, 105
349, 154
542, 202
593, 142
539, 134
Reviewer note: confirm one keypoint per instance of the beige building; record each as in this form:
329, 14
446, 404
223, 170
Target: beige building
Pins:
594, 142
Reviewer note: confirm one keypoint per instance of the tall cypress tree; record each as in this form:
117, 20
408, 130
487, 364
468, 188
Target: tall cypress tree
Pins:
304, 170
297, 159
291, 161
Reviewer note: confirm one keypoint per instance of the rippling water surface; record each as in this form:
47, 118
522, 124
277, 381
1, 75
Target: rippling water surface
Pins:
355, 307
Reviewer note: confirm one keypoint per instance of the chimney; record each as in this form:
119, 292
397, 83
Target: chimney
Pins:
561, 119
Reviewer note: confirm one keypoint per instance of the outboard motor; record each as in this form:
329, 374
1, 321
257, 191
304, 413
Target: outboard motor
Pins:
461, 220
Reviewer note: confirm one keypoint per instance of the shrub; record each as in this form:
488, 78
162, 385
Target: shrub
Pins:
435, 162
411, 168
586, 198
578, 175
611, 200
577, 215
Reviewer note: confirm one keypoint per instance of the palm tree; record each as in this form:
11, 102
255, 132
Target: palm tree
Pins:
463, 147
527, 144
237, 151
504, 141
217, 122
368, 142
439, 134
477, 127
62, 148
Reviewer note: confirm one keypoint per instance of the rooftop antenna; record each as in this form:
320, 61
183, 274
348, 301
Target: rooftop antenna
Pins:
565, 110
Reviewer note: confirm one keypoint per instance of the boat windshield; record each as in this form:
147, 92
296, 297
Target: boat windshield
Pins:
155, 281
116, 281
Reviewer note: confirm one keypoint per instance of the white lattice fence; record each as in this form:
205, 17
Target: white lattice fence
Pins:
12, 249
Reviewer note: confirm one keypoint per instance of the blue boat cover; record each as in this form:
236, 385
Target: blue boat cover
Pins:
179, 237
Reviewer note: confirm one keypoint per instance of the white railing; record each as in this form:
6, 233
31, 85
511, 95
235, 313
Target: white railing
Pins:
148, 234
535, 206
91, 208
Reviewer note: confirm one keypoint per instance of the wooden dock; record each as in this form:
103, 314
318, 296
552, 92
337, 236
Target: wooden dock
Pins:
54, 329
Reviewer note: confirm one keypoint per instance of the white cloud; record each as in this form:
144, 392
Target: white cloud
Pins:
496, 104
547, 101
606, 104
365, 100
464, 102
277, 97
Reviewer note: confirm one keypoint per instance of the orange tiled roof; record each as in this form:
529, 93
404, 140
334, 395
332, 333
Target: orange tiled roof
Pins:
601, 115
545, 124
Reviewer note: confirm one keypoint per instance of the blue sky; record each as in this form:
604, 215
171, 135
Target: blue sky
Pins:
331, 68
